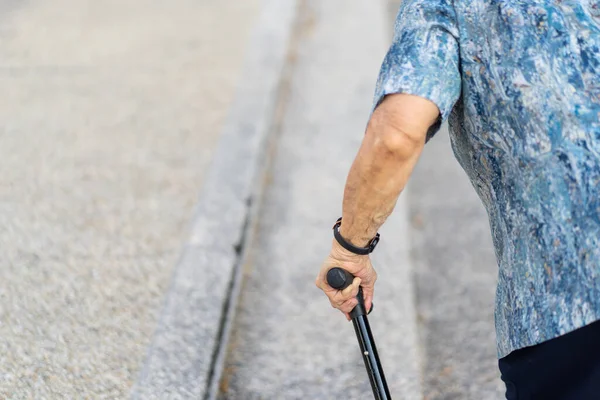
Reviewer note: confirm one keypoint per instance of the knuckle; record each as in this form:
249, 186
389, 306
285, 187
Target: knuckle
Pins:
349, 305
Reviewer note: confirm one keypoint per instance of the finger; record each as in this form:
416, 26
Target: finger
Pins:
352, 290
347, 316
348, 305
322, 284
338, 298
320, 280
368, 303
368, 291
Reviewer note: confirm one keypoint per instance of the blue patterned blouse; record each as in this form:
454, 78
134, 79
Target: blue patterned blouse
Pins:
520, 83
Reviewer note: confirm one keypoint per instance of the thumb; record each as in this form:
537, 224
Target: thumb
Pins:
352, 289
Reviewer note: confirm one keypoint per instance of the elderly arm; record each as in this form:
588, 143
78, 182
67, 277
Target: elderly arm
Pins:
394, 139
392, 144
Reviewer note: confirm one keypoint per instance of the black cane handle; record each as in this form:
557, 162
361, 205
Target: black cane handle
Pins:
338, 278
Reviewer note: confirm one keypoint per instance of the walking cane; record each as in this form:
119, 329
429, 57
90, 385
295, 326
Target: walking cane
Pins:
340, 279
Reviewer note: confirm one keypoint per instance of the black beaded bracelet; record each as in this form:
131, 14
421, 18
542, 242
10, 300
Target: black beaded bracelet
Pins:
349, 246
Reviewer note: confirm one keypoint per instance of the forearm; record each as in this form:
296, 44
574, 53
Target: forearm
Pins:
391, 147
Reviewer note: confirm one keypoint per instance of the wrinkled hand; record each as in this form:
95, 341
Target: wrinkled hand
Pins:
359, 266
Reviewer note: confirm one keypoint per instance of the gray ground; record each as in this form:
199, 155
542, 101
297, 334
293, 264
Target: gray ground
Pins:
455, 273
288, 343
108, 117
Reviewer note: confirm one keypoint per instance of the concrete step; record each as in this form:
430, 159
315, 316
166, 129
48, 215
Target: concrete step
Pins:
185, 358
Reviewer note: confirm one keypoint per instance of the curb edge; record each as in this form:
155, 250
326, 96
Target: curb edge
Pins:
185, 357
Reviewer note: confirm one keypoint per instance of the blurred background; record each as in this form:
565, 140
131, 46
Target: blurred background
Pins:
111, 120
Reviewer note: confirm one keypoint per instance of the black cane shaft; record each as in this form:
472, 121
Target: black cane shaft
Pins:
371, 358
340, 279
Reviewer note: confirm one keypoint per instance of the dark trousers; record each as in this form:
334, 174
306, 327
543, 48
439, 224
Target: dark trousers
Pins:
565, 368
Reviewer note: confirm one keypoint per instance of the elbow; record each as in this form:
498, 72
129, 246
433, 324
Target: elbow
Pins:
395, 142
398, 126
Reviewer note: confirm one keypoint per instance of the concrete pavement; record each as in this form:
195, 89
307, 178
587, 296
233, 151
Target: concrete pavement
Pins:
455, 273
109, 114
287, 343
110, 117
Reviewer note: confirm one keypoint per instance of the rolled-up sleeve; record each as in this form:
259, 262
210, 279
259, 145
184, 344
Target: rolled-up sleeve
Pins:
423, 59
